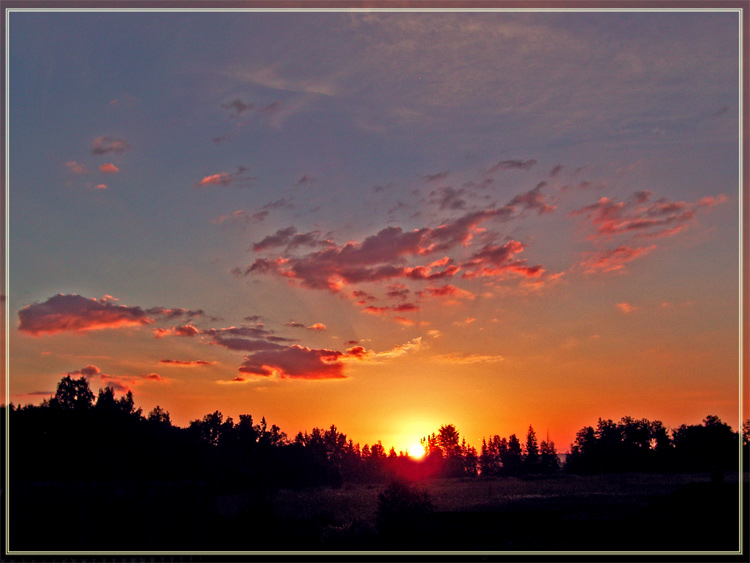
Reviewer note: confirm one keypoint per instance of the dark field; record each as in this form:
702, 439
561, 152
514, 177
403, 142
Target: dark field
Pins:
608, 512
626, 512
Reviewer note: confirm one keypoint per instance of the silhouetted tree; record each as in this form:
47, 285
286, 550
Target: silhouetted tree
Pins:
548, 460
531, 452
512, 457
72, 394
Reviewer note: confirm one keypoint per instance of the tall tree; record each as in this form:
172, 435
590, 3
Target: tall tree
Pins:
531, 452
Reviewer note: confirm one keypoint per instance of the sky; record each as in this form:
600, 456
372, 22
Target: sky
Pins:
385, 221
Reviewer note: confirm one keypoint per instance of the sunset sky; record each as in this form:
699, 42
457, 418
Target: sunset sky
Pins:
385, 221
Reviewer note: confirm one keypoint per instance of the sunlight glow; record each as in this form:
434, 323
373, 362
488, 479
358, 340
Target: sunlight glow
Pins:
416, 451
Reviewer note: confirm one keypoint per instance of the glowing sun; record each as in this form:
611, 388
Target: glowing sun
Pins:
416, 451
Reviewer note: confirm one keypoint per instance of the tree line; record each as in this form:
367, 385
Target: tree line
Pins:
76, 435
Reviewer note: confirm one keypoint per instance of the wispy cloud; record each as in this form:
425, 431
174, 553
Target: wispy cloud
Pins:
76, 167
185, 363
613, 260
467, 358
640, 215
239, 178
513, 164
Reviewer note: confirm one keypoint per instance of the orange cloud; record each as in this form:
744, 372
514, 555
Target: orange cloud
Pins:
613, 260
108, 168
185, 363
626, 307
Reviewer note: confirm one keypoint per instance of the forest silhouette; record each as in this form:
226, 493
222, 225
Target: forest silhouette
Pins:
94, 473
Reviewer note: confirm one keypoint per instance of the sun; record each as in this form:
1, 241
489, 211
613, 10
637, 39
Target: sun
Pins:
416, 451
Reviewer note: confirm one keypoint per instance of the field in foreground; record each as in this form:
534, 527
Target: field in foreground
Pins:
627, 512
568, 512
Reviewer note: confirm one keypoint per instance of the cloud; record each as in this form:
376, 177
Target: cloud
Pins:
295, 362
106, 144
100, 187
447, 291
185, 363
512, 165
237, 107
153, 377
556, 170
224, 179
246, 338
121, 383
467, 359
108, 168
177, 330
626, 307
449, 198
76, 313
291, 239
640, 216
76, 167
88, 371
613, 260
436, 177
493, 260
318, 327
306, 180
301, 362
533, 199
398, 291
379, 257
61, 313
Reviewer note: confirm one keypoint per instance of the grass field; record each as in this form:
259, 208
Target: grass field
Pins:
568, 512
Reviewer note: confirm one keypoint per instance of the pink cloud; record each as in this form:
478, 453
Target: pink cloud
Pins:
404, 321
378, 257
613, 260
446, 291
493, 260
76, 313
108, 168
295, 362
641, 216
76, 167
100, 186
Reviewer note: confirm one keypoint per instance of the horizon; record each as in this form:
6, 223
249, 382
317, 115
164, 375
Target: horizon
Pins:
383, 221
